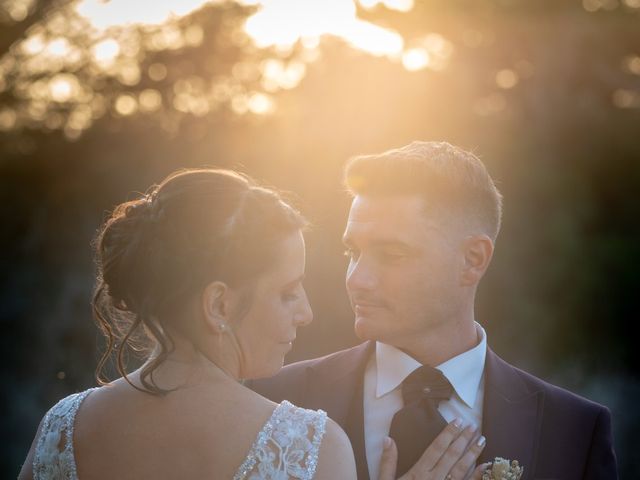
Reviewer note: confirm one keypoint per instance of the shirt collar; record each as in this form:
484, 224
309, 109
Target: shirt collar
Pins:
463, 371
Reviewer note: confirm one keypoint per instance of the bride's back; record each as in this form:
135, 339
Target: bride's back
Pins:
190, 433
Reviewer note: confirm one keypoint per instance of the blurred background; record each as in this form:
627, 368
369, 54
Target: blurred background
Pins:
100, 99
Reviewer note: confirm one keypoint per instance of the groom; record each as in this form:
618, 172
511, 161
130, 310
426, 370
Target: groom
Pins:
420, 236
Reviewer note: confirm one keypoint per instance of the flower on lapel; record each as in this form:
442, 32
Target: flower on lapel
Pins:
503, 469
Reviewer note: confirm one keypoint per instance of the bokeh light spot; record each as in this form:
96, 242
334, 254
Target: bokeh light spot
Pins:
129, 73
415, 59
150, 100
591, 5
106, 51
58, 47
8, 119
489, 105
632, 64
157, 72
194, 35
63, 87
623, 98
126, 105
18, 10
276, 74
33, 45
506, 78
260, 104
240, 104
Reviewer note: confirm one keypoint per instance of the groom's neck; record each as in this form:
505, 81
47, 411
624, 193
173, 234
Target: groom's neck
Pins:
439, 343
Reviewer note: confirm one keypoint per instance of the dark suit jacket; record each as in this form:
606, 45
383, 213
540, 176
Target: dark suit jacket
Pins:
553, 433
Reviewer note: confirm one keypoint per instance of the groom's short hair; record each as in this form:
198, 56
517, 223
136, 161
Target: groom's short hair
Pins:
451, 180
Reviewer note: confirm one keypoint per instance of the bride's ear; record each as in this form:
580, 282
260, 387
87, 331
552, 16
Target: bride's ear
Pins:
216, 306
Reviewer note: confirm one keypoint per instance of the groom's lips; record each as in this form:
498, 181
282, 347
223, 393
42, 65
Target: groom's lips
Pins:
361, 307
366, 302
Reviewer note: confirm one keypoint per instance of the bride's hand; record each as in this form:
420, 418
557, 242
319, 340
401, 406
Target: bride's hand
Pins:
450, 456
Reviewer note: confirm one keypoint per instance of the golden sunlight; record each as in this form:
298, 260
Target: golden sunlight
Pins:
276, 23
104, 14
63, 62
400, 5
282, 23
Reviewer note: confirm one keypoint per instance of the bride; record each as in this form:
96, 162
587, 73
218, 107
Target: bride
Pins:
208, 269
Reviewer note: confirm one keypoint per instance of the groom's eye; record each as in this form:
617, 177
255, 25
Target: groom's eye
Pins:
390, 255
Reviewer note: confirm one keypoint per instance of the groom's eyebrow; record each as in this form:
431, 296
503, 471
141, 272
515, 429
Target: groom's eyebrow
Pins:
384, 243
396, 246
389, 243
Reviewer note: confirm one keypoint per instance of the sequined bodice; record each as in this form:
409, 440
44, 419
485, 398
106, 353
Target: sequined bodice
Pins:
286, 447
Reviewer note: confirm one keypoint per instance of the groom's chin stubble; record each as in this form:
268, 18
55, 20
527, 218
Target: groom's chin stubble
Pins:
363, 328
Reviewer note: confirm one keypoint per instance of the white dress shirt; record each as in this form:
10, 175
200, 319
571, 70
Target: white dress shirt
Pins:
382, 396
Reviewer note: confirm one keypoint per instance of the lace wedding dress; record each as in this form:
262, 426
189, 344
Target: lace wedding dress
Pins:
286, 447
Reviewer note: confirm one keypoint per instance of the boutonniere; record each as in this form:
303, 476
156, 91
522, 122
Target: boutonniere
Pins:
503, 469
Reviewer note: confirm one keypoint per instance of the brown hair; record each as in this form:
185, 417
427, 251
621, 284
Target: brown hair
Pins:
154, 253
449, 179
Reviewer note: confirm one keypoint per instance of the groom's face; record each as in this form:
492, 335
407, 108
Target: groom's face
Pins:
403, 277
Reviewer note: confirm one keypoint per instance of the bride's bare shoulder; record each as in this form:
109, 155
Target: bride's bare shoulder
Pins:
335, 459
216, 428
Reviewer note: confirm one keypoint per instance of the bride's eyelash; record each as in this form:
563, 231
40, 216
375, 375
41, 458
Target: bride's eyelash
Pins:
289, 297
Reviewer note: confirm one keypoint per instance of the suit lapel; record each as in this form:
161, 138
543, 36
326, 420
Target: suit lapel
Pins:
511, 415
336, 386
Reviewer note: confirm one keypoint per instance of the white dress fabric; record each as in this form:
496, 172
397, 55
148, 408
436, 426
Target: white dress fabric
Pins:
286, 447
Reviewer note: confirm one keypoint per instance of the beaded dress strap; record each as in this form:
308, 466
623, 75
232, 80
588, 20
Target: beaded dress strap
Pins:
283, 448
49, 461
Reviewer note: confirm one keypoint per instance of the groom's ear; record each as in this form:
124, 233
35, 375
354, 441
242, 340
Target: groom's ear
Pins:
477, 250
216, 305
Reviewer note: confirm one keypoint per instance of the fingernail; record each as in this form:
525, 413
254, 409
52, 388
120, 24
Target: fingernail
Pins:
387, 443
457, 423
481, 441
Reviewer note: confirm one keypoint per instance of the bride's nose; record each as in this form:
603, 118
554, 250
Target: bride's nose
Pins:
304, 315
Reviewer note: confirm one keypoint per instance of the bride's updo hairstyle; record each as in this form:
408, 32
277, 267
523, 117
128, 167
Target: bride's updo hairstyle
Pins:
156, 253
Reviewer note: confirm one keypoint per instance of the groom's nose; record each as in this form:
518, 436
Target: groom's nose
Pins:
360, 275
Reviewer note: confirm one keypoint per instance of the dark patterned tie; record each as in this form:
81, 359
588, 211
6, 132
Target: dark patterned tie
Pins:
415, 426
